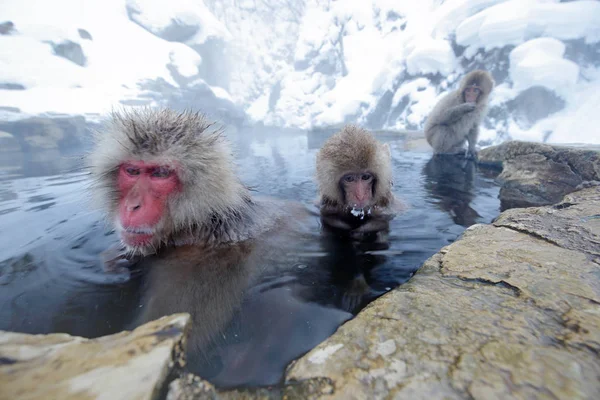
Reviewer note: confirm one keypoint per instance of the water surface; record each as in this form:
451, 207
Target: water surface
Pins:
249, 324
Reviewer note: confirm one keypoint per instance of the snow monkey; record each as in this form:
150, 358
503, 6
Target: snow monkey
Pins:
354, 175
166, 180
456, 117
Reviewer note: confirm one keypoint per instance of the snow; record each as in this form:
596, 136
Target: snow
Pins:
259, 109
515, 21
430, 57
311, 63
578, 121
452, 12
154, 16
185, 60
120, 55
540, 62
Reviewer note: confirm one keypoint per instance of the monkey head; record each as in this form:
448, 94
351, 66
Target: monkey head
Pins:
476, 86
471, 93
354, 171
161, 174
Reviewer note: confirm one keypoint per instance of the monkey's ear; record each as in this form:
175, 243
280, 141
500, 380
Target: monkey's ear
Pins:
387, 150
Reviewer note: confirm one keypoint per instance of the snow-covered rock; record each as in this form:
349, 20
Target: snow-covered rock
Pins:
543, 54
88, 56
308, 63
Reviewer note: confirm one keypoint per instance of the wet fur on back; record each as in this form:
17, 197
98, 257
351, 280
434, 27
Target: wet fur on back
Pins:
212, 207
350, 150
448, 135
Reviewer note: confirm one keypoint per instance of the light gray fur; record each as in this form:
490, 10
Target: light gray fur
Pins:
213, 207
452, 122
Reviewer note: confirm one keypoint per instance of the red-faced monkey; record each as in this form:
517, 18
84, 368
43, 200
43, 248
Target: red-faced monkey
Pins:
354, 174
456, 117
167, 181
167, 178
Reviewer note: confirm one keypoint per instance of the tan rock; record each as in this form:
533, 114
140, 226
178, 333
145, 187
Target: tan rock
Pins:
192, 387
498, 314
535, 174
127, 365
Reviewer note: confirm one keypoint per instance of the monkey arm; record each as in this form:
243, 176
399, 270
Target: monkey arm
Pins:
374, 225
472, 140
335, 222
453, 114
116, 259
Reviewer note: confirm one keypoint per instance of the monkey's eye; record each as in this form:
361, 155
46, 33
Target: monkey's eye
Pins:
348, 178
366, 177
132, 171
161, 172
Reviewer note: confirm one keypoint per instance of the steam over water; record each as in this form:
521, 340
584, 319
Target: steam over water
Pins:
51, 277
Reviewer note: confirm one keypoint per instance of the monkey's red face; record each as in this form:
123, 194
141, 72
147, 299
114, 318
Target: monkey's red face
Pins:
358, 189
471, 94
144, 190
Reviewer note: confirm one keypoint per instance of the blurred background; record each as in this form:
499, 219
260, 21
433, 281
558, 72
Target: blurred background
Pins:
297, 63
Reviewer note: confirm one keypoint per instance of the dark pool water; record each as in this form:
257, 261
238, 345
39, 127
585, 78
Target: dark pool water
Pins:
248, 330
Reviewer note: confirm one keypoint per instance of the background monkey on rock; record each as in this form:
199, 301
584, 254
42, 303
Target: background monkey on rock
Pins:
354, 175
456, 117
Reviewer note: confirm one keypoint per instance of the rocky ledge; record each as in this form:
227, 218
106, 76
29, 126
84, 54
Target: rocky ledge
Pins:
128, 365
537, 174
510, 310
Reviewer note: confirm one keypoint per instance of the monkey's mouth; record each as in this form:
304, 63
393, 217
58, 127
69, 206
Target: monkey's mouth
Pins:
360, 212
137, 236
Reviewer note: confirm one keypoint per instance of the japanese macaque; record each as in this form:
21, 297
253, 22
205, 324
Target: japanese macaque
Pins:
354, 174
166, 178
456, 117
207, 247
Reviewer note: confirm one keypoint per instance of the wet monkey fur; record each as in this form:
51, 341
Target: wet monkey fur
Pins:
166, 181
167, 178
354, 176
456, 117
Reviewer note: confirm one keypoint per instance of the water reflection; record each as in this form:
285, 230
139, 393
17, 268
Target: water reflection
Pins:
249, 320
449, 179
251, 306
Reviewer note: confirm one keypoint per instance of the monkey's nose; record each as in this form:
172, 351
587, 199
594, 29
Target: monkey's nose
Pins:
133, 206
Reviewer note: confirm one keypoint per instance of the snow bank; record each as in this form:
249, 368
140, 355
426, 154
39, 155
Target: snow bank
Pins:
381, 63
430, 57
515, 21
154, 16
119, 55
540, 62
452, 12
578, 122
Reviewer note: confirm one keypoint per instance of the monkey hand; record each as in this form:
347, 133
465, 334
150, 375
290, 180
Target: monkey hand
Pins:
115, 261
472, 154
468, 107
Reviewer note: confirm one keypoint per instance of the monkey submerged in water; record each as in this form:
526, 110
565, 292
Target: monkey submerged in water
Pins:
354, 175
207, 247
456, 117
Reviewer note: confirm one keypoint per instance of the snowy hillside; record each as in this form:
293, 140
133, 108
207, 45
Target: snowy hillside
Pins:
385, 64
308, 63
88, 56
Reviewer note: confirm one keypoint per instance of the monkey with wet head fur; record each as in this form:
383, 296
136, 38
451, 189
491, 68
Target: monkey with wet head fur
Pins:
166, 178
354, 175
167, 182
456, 117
